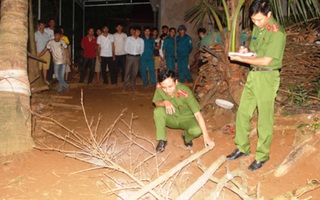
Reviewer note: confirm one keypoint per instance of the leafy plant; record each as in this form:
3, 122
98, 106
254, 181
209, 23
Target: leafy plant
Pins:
210, 10
299, 96
309, 127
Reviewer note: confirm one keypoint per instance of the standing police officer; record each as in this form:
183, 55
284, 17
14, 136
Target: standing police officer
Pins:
268, 43
184, 48
177, 108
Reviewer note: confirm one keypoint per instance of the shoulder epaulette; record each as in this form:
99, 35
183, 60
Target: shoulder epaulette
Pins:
275, 28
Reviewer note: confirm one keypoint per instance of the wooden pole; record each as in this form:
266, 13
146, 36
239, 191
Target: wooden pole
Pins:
193, 188
297, 155
168, 174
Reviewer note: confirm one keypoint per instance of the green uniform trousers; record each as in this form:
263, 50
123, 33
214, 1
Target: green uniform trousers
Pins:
259, 92
187, 123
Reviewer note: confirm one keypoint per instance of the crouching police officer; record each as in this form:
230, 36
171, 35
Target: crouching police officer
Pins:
177, 108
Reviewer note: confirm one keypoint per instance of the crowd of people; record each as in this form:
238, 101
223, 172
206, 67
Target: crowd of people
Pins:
142, 51
175, 105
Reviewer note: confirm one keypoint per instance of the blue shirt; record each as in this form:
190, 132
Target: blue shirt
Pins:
148, 48
169, 47
184, 45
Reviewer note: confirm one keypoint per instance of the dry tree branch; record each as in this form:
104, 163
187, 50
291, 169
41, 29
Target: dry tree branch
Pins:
158, 166
223, 181
168, 174
112, 191
310, 186
193, 188
92, 150
171, 183
234, 187
93, 139
142, 162
85, 170
97, 125
75, 144
75, 134
139, 145
106, 135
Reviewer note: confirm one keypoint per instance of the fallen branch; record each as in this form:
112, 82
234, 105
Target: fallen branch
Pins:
294, 194
223, 182
295, 156
193, 188
168, 174
233, 186
90, 150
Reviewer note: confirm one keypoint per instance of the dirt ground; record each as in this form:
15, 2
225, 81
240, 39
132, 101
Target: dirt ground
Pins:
51, 175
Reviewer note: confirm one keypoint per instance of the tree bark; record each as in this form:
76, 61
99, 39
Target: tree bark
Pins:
15, 126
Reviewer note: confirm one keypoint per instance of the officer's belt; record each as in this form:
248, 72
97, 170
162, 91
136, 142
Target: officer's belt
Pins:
261, 69
134, 55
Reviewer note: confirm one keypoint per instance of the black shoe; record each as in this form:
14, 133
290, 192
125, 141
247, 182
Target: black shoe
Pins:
236, 154
161, 146
187, 144
255, 165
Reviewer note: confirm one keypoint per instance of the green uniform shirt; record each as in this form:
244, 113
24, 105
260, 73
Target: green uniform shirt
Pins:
184, 102
269, 42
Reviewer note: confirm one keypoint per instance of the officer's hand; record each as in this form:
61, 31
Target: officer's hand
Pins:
169, 107
208, 142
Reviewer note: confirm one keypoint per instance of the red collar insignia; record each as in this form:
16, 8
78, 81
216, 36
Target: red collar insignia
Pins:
269, 27
183, 93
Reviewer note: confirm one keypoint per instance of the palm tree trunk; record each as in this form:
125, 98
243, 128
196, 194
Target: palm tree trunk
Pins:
15, 126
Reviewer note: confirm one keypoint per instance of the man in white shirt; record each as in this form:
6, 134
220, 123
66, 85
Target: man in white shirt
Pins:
42, 39
134, 47
50, 29
106, 55
119, 40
